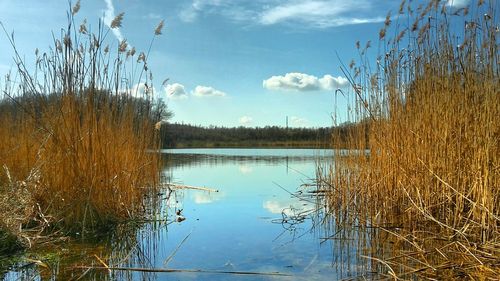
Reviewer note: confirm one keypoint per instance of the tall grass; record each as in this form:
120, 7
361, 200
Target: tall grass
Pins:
76, 134
431, 176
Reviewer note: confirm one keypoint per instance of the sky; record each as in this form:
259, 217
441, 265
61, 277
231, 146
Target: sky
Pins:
229, 62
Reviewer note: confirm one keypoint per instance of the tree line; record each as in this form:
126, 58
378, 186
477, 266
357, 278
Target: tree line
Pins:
185, 135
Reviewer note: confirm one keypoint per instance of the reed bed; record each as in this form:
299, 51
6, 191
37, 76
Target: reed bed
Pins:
424, 177
77, 135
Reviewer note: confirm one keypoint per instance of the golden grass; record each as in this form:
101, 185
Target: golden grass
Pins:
75, 139
433, 165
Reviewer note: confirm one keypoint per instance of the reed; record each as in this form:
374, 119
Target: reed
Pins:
429, 183
77, 135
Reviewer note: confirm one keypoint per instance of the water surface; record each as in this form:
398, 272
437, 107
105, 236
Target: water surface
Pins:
262, 219
253, 223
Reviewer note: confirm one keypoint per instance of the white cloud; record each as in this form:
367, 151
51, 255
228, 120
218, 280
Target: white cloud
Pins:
240, 14
329, 82
175, 91
457, 3
200, 4
295, 81
316, 13
109, 15
190, 13
321, 14
297, 121
204, 91
140, 89
296, 10
153, 16
245, 120
178, 91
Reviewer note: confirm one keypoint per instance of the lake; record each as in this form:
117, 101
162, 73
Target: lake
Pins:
263, 219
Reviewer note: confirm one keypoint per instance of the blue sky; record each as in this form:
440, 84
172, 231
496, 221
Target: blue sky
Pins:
229, 62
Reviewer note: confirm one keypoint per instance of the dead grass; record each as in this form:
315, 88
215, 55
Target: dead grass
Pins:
433, 165
77, 135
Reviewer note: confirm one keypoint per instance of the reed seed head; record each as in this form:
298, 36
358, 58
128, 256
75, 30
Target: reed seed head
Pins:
401, 35
141, 57
415, 25
123, 46
117, 21
352, 64
402, 7
159, 27
381, 34
95, 41
67, 41
83, 27
75, 8
388, 21
58, 46
470, 25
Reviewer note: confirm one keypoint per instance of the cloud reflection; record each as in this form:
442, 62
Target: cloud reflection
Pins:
205, 197
245, 169
289, 207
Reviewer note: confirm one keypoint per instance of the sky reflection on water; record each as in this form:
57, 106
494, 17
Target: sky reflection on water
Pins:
239, 228
253, 224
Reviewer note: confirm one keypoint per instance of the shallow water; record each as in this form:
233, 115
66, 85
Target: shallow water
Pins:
254, 223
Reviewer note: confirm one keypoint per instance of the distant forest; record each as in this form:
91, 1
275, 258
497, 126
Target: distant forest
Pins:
175, 135
183, 135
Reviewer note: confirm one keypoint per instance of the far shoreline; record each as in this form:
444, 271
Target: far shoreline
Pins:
274, 145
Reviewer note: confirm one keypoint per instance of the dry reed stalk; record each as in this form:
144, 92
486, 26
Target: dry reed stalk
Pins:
433, 135
165, 270
87, 136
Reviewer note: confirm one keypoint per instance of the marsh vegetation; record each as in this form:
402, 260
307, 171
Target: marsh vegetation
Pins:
430, 183
75, 137
413, 194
